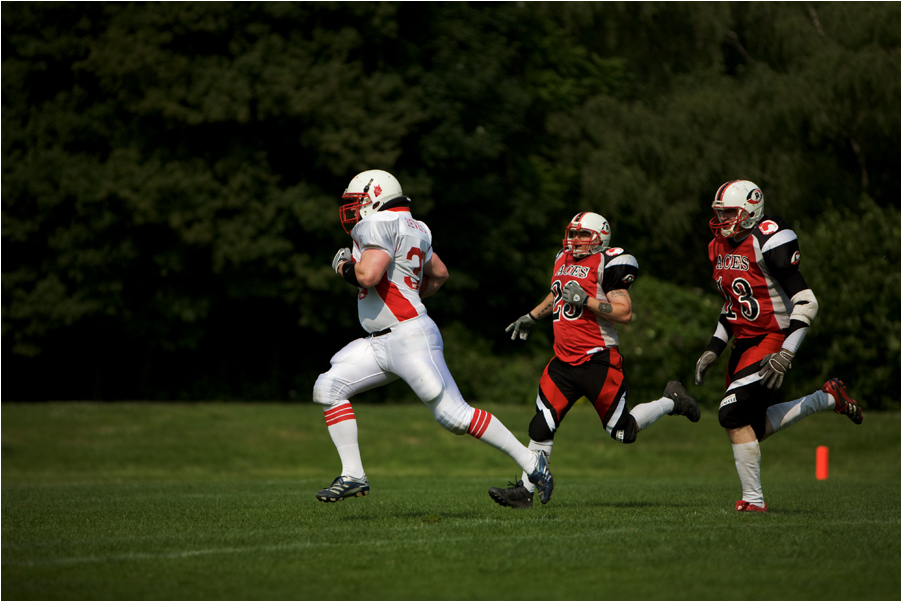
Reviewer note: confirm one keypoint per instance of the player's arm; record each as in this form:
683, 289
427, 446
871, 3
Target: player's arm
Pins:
618, 308
521, 327
804, 308
544, 308
784, 262
435, 274
365, 273
715, 347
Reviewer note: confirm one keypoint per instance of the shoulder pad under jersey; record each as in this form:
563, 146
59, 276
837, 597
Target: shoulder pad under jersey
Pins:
370, 232
620, 269
772, 232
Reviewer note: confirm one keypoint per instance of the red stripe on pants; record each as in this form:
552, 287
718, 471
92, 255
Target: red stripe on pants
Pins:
479, 423
339, 414
553, 394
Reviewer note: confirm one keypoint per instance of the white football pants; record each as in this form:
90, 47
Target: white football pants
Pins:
412, 351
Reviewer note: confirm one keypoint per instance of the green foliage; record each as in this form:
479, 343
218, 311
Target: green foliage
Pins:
171, 172
857, 252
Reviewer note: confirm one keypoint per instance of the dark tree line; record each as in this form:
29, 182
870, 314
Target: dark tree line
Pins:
172, 173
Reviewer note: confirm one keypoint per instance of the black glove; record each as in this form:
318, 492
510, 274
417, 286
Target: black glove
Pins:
521, 327
702, 365
574, 294
774, 368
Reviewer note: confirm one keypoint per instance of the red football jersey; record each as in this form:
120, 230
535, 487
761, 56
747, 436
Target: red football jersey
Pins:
757, 278
578, 333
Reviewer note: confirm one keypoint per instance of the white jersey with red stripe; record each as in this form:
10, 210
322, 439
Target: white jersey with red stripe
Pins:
396, 297
578, 332
757, 277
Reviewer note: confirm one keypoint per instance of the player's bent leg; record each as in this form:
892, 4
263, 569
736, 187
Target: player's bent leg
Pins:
354, 369
541, 439
520, 494
489, 429
747, 457
675, 401
457, 416
746, 425
784, 415
342, 425
626, 430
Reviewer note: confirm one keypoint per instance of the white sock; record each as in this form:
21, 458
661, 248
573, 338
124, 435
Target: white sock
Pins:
544, 446
489, 429
647, 414
748, 465
784, 415
342, 425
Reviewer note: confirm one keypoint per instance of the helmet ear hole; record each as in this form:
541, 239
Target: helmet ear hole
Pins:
376, 205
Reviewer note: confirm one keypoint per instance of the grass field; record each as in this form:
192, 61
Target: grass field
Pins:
216, 501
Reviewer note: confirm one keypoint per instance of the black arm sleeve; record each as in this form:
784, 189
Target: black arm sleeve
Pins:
348, 273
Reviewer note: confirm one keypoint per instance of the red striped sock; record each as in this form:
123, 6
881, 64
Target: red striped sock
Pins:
339, 413
479, 423
492, 431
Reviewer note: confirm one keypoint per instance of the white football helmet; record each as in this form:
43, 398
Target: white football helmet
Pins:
368, 191
593, 223
737, 205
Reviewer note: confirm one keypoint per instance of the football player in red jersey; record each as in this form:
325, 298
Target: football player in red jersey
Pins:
768, 309
393, 267
590, 287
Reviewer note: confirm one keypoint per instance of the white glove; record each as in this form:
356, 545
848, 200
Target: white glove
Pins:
702, 365
521, 327
574, 294
342, 255
774, 368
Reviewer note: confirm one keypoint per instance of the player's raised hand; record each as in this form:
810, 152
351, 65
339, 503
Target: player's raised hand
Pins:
521, 327
574, 294
342, 255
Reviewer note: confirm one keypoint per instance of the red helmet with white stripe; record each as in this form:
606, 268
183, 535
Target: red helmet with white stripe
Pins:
587, 233
738, 204
368, 191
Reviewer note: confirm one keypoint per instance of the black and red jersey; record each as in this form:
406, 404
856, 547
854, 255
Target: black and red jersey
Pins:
578, 332
757, 277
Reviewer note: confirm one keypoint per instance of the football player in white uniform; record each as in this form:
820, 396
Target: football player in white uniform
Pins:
768, 309
393, 267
